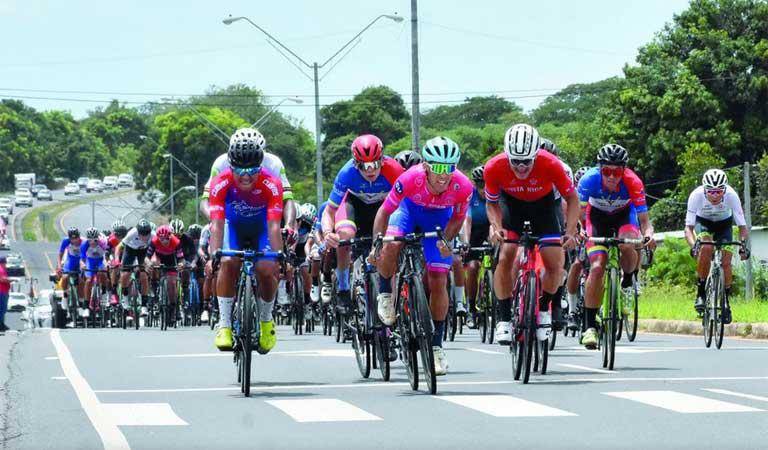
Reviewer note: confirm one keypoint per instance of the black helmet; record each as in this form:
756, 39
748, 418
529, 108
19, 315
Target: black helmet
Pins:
195, 231
73, 233
477, 174
579, 173
120, 230
549, 146
246, 148
408, 159
613, 154
92, 233
143, 227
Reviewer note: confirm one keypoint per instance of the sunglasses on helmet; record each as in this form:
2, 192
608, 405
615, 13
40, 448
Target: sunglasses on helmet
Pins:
242, 171
372, 165
442, 168
615, 172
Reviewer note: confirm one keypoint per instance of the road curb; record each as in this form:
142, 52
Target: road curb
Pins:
747, 330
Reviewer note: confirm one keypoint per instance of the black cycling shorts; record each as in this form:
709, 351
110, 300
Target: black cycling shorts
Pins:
540, 213
133, 256
720, 230
353, 213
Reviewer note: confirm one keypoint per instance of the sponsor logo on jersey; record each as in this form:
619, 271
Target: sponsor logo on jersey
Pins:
271, 186
398, 187
219, 186
244, 209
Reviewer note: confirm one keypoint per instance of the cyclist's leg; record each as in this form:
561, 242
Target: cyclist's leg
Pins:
723, 231
472, 268
630, 257
346, 228
704, 260
226, 281
400, 223
596, 226
459, 281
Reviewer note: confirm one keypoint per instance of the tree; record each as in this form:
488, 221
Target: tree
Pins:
473, 112
577, 102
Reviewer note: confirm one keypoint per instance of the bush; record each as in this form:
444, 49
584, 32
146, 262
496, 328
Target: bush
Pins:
672, 264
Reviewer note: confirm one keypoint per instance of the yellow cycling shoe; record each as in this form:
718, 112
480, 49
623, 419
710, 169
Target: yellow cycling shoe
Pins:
267, 337
223, 339
589, 339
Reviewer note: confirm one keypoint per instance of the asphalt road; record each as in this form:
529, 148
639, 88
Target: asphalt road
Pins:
148, 389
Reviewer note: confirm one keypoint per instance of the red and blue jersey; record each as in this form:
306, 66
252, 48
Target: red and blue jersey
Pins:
631, 192
350, 180
265, 198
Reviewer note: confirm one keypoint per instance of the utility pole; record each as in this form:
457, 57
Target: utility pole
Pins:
749, 294
415, 119
318, 141
171, 179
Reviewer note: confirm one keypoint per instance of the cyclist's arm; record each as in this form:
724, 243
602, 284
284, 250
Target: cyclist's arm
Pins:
645, 224
204, 208
467, 227
289, 213
452, 229
217, 235
690, 235
743, 233
381, 221
118, 251
328, 221
573, 210
494, 216
275, 236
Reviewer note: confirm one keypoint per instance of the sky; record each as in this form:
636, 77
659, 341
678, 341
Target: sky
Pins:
79, 54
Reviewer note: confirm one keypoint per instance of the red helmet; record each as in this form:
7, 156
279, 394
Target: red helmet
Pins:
367, 148
164, 232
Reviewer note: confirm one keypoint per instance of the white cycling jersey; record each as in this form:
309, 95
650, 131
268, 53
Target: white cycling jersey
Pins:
568, 171
700, 206
271, 162
132, 240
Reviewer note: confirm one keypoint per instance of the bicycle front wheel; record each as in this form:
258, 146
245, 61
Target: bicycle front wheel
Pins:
613, 318
631, 308
425, 329
529, 326
719, 307
246, 333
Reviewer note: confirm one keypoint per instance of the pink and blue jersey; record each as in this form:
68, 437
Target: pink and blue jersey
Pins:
414, 208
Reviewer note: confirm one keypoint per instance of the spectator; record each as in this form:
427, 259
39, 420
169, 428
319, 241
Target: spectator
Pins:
5, 287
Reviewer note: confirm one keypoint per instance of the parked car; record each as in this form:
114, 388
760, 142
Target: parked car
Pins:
15, 265
82, 182
125, 180
18, 301
5, 214
37, 188
110, 182
6, 203
22, 197
72, 189
45, 194
94, 186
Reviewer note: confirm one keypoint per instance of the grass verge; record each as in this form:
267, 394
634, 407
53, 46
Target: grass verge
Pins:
676, 303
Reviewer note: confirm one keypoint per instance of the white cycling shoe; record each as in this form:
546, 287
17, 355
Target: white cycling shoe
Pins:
386, 308
325, 293
441, 361
503, 333
314, 294
461, 309
545, 325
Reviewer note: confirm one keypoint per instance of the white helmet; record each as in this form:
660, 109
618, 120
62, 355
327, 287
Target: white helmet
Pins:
714, 179
522, 141
308, 212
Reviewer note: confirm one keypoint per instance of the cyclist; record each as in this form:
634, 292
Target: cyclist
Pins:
209, 284
408, 159
306, 222
713, 207
578, 259
613, 203
69, 260
316, 254
246, 208
92, 253
271, 163
433, 194
358, 192
165, 249
119, 230
476, 226
191, 256
519, 187
133, 251
189, 250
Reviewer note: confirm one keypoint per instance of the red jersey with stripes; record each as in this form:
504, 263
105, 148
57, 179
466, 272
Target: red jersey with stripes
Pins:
229, 202
172, 248
548, 173
413, 186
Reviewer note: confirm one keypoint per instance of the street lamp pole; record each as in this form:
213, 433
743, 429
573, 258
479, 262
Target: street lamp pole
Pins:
315, 78
171, 179
415, 119
266, 115
194, 175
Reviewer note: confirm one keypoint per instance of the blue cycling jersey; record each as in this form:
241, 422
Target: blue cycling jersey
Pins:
72, 250
477, 210
351, 180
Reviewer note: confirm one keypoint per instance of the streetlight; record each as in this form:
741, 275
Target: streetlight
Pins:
315, 67
160, 206
193, 175
263, 118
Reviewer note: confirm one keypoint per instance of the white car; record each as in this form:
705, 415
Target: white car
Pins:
110, 182
72, 189
82, 182
125, 180
44, 194
94, 186
22, 197
5, 243
6, 203
18, 301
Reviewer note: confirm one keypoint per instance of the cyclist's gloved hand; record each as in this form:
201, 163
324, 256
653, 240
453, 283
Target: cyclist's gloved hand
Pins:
290, 236
744, 251
332, 239
695, 250
569, 241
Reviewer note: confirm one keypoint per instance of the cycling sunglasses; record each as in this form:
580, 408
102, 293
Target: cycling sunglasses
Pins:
373, 165
442, 168
615, 172
242, 171
520, 162
714, 192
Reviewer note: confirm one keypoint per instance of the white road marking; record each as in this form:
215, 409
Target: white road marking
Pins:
482, 350
58, 378
111, 436
322, 410
738, 394
142, 414
51, 358
331, 353
641, 349
505, 406
588, 369
309, 387
682, 403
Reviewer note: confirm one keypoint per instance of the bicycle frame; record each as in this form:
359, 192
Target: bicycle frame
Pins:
712, 320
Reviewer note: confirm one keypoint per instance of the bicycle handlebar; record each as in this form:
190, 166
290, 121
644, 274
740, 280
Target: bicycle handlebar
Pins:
248, 254
723, 243
355, 241
616, 241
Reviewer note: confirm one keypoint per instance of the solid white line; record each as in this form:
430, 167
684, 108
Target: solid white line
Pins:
111, 436
588, 369
543, 380
322, 410
682, 403
505, 406
738, 394
58, 378
481, 350
51, 358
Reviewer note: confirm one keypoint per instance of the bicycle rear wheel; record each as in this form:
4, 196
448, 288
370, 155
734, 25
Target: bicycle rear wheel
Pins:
381, 350
493, 305
246, 332
407, 347
707, 321
630, 319
163, 304
719, 306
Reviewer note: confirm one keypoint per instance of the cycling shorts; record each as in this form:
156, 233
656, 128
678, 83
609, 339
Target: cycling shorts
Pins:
71, 264
251, 235
92, 265
559, 214
133, 256
410, 218
356, 215
718, 230
477, 238
602, 224
540, 213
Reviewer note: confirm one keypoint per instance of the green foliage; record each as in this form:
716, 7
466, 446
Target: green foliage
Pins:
577, 102
668, 214
672, 264
473, 112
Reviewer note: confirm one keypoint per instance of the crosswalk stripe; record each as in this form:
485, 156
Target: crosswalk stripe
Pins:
142, 414
505, 406
738, 394
680, 402
322, 410
588, 369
